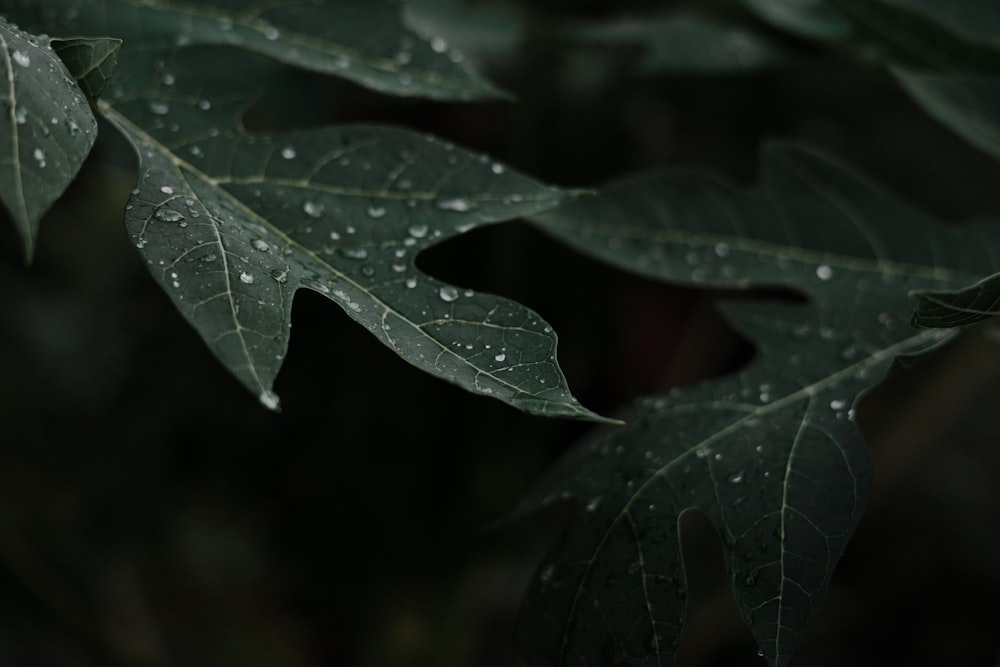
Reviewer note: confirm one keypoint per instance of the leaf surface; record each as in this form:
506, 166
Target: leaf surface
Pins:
232, 224
361, 40
770, 455
48, 129
90, 60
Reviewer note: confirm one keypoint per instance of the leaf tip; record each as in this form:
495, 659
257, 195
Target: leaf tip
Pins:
269, 400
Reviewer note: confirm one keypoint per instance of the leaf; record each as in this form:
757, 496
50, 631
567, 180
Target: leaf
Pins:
474, 28
970, 106
48, 129
361, 40
810, 18
90, 60
677, 43
770, 454
232, 224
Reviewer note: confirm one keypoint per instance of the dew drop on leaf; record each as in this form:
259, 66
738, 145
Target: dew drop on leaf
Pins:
448, 293
501, 357
159, 108
22, 58
288, 152
438, 45
418, 231
168, 215
313, 210
457, 204
261, 245
246, 278
824, 272
268, 399
376, 212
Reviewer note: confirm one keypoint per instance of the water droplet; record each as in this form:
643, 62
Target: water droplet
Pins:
246, 278
368, 271
39, 157
497, 168
313, 210
288, 152
376, 212
448, 293
411, 282
268, 399
21, 115
354, 253
169, 79
439, 45
838, 404
593, 504
22, 58
159, 108
457, 204
167, 190
271, 33
168, 215
737, 478
824, 272
204, 105
418, 231
501, 357
721, 249
261, 245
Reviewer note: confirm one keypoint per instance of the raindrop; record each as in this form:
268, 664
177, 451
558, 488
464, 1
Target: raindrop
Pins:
501, 357
418, 231
169, 79
168, 215
593, 504
721, 249
354, 253
838, 404
271, 33
411, 282
39, 157
497, 168
288, 152
737, 478
22, 58
439, 45
448, 293
458, 204
368, 271
824, 272
376, 212
261, 245
195, 151
269, 399
313, 210
159, 108
167, 190
246, 278
21, 115
204, 105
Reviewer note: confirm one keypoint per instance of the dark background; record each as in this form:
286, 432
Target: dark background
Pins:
152, 513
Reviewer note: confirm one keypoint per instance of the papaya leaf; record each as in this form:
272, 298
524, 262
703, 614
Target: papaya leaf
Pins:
361, 40
48, 129
770, 454
90, 60
232, 224
970, 106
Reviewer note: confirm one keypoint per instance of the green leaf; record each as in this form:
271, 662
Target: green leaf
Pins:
48, 129
361, 40
676, 43
970, 106
770, 455
232, 224
90, 60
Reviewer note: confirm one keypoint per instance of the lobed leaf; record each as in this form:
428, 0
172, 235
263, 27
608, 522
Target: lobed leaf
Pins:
47, 129
232, 224
770, 455
361, 40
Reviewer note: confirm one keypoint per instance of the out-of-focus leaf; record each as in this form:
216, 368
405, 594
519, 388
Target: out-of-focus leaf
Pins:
970, 106
770, 455
362, 40
477, 29
233, 224
48, 129
810, 18
90, 60
683, 43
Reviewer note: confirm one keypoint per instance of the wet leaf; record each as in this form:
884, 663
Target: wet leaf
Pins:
810, 18
771, 454
48, 129
361, 40
232, 224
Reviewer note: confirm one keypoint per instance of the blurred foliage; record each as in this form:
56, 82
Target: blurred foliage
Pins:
154, 514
